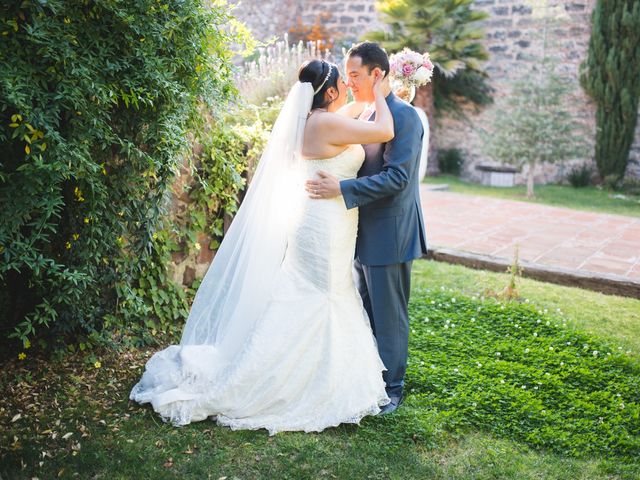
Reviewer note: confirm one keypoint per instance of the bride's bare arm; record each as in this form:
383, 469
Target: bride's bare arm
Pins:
340, 130
352, 110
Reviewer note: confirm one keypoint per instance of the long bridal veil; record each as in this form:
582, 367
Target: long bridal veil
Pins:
235, 289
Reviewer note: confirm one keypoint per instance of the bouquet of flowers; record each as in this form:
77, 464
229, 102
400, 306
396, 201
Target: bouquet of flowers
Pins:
410, 68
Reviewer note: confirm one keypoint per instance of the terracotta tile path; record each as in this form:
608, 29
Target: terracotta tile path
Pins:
550, 236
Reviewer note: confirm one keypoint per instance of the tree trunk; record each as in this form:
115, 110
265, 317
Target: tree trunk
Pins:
424, 99
532, 167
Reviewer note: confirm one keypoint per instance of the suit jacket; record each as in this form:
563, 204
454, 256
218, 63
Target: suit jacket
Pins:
390, 227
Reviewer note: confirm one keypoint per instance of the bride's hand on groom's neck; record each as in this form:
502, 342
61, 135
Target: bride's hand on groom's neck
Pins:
386, 86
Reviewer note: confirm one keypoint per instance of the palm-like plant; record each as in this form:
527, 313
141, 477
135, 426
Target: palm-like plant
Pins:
449, 30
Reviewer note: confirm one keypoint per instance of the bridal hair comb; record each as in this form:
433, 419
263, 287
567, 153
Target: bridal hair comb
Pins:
325, 79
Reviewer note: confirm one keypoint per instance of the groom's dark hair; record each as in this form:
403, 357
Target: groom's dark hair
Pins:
372, 56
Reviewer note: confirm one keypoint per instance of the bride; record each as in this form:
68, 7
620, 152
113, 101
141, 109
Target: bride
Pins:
277, 336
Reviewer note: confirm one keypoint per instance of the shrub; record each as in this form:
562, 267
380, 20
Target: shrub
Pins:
580, 176
610, 77
631, 186
275, 69
450, 160
97, 100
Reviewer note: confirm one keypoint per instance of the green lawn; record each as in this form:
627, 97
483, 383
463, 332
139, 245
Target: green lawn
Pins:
608, 316
494, 391
587, 198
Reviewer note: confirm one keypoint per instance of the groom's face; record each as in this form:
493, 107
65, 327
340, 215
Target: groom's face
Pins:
360, 80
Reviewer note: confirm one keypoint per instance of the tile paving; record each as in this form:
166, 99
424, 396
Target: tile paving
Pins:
545, 235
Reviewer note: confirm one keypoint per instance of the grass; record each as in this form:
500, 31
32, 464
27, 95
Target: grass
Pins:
77, 421
607, 316
586, 198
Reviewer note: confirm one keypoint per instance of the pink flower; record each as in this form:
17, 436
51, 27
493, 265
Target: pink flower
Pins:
407, 70
428, 65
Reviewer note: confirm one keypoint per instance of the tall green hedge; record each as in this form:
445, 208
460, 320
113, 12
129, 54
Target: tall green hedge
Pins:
611, 77
97, 98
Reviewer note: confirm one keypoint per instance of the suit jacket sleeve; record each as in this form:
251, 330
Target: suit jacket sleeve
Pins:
399, 155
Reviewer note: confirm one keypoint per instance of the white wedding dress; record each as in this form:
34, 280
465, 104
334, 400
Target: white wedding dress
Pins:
310, 360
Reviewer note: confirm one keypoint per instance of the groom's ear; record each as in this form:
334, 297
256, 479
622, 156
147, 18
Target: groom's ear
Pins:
375, 71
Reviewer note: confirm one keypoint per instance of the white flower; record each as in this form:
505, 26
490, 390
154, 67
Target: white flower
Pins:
502, 381
526, 350
595, 353
535, 334
422, 75
498, 354
479, 364
455, 370
524, 387
550, 348
473, 319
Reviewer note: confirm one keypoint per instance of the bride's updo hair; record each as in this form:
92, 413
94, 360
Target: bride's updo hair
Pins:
314, 72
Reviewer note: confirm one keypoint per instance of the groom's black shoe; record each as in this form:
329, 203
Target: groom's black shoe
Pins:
391, 406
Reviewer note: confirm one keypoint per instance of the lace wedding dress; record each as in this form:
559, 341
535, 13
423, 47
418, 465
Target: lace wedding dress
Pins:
310, 360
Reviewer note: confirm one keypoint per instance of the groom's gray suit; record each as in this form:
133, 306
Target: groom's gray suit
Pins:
390, 235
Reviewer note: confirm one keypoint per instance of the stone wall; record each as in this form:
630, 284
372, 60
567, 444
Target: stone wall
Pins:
512, 38
188, 264
347, 20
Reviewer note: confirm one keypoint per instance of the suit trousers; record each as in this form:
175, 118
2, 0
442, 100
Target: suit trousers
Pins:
385, 294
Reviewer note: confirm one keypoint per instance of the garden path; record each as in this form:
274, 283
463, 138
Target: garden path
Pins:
548, 236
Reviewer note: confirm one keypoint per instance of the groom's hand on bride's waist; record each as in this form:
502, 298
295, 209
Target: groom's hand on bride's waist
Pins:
325, 186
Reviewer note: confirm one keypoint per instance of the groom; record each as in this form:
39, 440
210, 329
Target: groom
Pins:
390, 230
